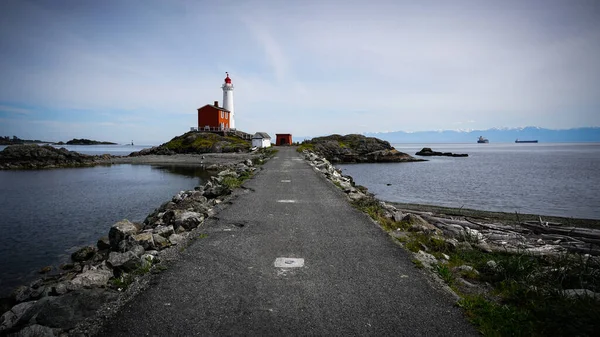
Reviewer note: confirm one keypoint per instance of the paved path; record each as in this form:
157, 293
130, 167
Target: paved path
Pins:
354, 281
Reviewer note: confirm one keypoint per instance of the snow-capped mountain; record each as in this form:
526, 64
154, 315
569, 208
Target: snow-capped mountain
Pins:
494, 135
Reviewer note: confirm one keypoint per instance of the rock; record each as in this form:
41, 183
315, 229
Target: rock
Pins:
126, 262
36, 330
188, 220
147, 260
11, 317
397, 216
68, 310
426, 259
163, 231
575, 293
492, 264
418, 224
248, 162
83, 254
138, 250
176, 238
467, 268
145, 240
103, 243
24, 293
120, 231
45, 269
33, 156
92, 278
217, 191
228, 173
427, 152
357, 149
160, 242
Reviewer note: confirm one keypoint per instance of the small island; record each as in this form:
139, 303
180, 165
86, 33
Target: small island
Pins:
428, 152
84, 141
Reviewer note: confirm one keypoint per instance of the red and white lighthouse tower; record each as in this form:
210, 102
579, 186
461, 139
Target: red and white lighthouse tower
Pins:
228, 100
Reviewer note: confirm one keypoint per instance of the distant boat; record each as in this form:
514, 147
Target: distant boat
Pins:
525, 141
482, 140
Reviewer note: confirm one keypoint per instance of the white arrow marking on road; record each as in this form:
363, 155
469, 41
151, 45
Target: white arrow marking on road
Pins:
287, 201
286, 181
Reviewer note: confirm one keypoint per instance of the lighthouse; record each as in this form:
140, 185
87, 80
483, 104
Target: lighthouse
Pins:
228, 100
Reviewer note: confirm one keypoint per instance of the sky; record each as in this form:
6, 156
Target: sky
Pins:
137, 70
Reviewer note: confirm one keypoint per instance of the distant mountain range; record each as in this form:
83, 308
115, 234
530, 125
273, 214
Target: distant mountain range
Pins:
495, 135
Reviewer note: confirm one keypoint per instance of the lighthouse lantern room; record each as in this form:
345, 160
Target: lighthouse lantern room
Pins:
228, 100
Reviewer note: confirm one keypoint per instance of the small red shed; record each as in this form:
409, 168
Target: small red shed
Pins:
213, 118
283, 139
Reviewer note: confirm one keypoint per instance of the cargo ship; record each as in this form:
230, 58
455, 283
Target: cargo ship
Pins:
525, 141
482, 140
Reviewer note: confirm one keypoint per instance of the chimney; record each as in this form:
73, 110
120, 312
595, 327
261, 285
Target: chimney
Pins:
216, 104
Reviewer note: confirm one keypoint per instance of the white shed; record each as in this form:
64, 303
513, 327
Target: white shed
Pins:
261, 139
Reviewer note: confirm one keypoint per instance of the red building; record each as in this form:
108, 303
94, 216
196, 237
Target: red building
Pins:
283, 139
213, 118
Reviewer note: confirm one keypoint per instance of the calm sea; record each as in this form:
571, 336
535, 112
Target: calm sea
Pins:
46, 214
546, 179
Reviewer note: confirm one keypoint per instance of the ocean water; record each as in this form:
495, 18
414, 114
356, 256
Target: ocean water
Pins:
545, 179
48, 214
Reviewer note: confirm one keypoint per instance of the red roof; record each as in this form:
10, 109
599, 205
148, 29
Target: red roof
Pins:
227, 79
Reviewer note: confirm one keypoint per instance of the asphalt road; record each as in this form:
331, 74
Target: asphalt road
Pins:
354, 281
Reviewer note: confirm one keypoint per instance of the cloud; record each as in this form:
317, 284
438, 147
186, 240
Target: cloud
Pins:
309, 68
14, 110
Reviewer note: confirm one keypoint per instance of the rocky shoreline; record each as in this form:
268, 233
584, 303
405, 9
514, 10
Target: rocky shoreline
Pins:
510, 273
31, 156
102, 277
356, 149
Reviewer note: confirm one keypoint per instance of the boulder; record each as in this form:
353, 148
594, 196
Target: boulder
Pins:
176, 238
160, 242
228, 173
217, 191
103, 243
11, 317
92, 278
36, 330
188, 220
120, 231
426, 259
68, 310
145, 240
163, 231
126, 262
83, 254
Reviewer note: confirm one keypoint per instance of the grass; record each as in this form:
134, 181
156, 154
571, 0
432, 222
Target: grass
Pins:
306, 146
202, 142
525, 295
233, 182
126, 279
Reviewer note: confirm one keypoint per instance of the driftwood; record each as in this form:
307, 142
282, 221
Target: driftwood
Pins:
532, 237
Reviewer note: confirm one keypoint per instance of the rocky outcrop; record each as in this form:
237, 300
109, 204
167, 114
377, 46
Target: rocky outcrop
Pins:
57, 303
198, 142
427, 152
36, 157
356, 149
